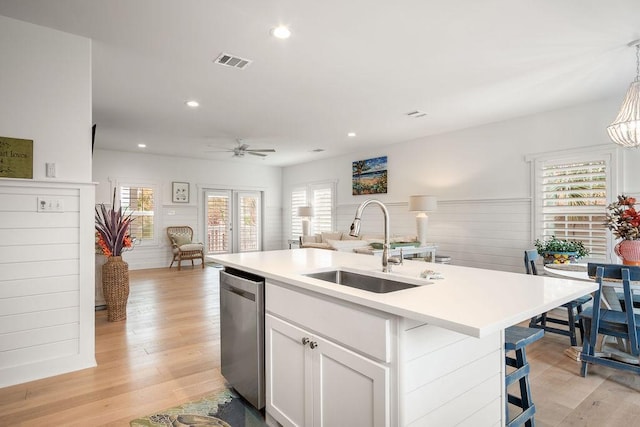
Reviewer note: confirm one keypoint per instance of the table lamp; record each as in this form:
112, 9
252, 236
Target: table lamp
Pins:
305, 213
422, 204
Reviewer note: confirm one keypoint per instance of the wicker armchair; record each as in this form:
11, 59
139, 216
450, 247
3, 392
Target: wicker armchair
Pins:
183, 247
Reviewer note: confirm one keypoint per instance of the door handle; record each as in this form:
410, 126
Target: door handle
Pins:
305, 341
313, 344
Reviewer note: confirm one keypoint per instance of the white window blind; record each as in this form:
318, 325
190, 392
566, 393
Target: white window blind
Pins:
321, 197
322, 202
574, 197
140, 201
298, 198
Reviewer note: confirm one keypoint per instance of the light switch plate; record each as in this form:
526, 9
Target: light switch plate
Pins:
51, 170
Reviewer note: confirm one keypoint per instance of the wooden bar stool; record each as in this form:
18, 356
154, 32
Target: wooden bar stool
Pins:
516, 338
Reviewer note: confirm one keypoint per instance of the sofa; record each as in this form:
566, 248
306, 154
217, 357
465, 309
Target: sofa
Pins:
342, 241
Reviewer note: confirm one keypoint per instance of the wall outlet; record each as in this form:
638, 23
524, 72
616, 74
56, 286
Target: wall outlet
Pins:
50, 204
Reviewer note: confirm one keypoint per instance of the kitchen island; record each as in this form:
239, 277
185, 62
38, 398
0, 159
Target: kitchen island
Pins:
429, 355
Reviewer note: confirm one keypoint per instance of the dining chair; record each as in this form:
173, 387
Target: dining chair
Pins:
516, 339
574, 308
612, 321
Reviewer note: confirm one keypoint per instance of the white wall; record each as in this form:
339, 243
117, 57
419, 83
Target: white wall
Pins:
109, 167
480, 177
46, 259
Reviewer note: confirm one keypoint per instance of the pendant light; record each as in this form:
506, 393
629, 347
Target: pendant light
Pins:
625, 129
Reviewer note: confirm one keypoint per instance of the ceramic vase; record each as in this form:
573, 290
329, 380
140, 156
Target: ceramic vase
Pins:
629, 251
115, 287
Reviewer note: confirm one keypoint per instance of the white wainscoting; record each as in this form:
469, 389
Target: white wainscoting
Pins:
46, 280
159, 255
490, 233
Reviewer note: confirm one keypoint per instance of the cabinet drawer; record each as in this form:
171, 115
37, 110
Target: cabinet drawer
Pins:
353, 326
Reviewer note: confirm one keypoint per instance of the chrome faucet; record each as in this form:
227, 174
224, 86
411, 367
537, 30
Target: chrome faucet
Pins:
355, 231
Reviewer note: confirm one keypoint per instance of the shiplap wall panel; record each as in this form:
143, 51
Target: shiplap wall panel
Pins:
22, 236
39, 219
491, 233
34, 303
34, 269
31, 253
38, 285
34, 337
46, 316
34, 320
40, 353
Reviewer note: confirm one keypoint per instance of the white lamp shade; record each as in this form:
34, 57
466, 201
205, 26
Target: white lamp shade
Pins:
423, 203
305, 211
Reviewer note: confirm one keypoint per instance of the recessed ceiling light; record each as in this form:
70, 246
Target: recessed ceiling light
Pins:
142, 145
351, 134
192, 104
281, 32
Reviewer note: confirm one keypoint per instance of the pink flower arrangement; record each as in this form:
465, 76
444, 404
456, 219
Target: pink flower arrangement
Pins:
623, 219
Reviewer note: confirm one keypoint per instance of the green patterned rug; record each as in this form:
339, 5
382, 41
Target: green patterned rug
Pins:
222, 409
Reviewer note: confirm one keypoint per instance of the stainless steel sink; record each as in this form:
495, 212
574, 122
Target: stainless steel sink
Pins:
360, 281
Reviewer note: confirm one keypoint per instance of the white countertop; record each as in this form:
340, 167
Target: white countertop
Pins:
471, 301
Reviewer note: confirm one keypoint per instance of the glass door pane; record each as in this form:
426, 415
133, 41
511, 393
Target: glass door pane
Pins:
218, 218
248, 221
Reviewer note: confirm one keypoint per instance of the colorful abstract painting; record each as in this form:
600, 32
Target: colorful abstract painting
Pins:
369, 176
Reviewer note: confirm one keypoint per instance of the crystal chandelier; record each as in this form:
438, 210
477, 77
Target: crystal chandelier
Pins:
625, 129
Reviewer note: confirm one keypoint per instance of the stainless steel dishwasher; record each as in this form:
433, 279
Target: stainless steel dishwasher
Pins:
242, 333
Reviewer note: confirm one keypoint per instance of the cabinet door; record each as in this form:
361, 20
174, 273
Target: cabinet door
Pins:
288, 373
349, 390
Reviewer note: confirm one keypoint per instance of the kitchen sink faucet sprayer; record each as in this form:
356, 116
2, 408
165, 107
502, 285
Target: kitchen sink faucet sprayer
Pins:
355, 231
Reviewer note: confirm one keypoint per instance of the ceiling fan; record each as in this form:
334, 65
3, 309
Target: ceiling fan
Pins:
241, 149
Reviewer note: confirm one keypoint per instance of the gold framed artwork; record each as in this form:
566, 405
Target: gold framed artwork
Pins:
16, 158
180, 192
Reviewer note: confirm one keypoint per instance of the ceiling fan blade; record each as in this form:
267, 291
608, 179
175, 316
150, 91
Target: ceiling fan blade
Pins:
243, 147
263, 150
256, 154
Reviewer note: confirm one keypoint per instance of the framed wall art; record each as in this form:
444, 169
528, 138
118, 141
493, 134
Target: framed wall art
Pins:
16, 158
180, 192
369, 176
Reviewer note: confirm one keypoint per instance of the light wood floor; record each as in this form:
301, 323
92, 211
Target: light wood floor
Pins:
167, 352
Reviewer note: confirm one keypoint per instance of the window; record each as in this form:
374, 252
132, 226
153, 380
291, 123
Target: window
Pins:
321, 196
140, 200
571, 195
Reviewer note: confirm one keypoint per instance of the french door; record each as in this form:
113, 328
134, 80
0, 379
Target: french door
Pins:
233, 221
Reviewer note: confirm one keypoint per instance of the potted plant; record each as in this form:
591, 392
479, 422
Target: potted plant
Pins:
112, 237
624, 221
557, 251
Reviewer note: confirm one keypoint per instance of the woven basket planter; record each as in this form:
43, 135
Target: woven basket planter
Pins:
115, 287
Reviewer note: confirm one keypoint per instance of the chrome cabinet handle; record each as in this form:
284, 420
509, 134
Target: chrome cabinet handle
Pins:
305, 341
313, 344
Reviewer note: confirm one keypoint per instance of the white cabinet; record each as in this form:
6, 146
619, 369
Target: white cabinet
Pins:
312, 381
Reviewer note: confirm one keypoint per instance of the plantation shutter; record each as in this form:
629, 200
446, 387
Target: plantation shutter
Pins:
322, 202
574, 199
140, 202
298, 198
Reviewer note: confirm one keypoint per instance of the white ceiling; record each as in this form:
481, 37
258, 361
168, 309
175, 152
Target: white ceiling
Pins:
350, 65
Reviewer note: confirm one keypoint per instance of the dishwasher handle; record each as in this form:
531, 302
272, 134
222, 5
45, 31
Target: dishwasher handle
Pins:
240, 292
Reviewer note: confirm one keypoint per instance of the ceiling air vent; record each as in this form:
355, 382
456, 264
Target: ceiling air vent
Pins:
416, 114
232, 61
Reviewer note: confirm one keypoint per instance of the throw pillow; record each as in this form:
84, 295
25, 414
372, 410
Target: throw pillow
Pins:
181, 239
347, 245
331, 236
